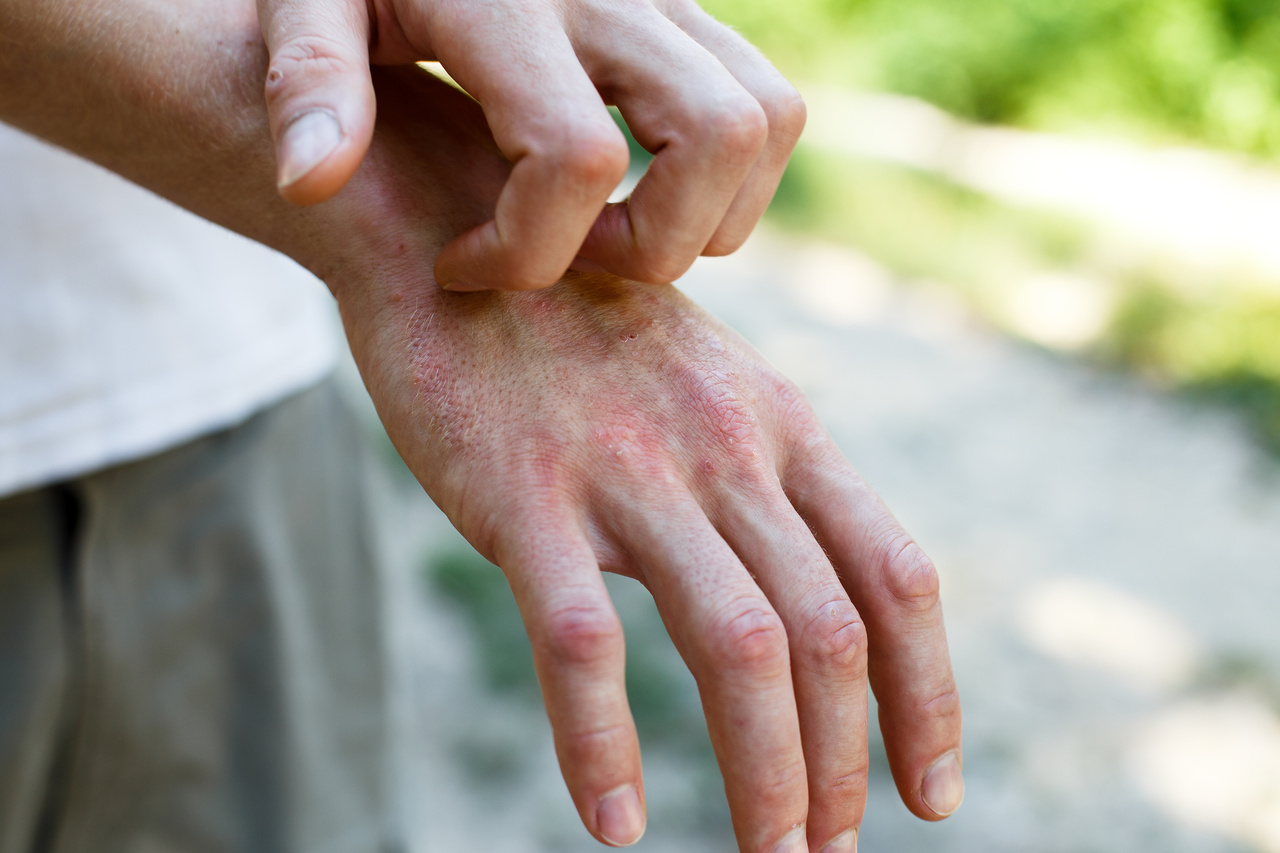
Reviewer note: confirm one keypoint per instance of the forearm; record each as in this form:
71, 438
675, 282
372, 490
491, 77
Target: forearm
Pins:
165, 93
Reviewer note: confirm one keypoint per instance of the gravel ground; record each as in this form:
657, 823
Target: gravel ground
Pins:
1111, 574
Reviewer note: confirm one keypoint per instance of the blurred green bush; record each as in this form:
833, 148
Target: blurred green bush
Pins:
1165, 70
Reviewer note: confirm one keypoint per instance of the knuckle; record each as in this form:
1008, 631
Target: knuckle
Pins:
726, 241
595, 156
738, 129
944, 705
716, 396
750, 638
592, 743
304, 57
852, 783
795, 414
835, 637
583, 635
779, 785
910, 576
657, 265
786, 110
633, 449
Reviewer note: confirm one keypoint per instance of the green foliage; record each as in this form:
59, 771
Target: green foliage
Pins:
1205, 71
924, 227
1225, 351
479, 589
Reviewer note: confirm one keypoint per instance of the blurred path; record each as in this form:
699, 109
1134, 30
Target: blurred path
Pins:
1111, 571
1201, 207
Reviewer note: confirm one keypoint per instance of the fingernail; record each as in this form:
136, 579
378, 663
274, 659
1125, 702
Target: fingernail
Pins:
620, 817
845, 842
943, 787
308, 140
581, 264
460, 286
793, 842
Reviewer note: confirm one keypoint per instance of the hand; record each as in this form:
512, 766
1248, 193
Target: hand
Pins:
720, 119
598, 424
607, 425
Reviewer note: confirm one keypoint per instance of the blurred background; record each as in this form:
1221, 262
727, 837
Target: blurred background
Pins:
1026, 263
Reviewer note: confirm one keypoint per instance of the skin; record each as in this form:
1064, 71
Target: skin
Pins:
720, 119
597, 425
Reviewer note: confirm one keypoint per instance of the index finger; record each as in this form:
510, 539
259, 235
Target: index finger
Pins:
551, 123
895, 588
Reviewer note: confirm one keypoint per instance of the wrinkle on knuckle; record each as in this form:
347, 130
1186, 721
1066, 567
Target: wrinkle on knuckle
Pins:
836, 637
908, 574
944, 705
303, 56
595, 739
780, 784
852, 783
720, 402
542, 461
582, 635
749, 638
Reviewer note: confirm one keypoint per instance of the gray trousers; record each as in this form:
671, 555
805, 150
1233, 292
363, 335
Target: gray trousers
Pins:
191, 649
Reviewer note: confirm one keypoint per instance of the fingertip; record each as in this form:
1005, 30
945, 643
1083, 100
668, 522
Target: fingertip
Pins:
942, 790
306, 143
320, 101
620, 816
318, 152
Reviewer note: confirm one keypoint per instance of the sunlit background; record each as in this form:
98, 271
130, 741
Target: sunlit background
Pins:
1026, 262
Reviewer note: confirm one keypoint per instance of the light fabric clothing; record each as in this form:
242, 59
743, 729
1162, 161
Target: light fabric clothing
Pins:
192, 650
128, 325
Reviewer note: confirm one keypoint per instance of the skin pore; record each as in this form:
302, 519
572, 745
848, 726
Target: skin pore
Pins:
599, 424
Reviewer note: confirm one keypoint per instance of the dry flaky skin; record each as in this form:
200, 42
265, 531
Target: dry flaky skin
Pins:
609, 424
598, 424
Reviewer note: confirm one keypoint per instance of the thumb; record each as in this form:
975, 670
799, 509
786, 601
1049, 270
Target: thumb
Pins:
319, 93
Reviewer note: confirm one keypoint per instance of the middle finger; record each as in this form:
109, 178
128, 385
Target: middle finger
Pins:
736, 647
828, 644
705, 130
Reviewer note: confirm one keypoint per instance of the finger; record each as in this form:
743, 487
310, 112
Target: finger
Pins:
783, 108
319, 94
705, 129
895, 587
828, 645
551, 123
736, 647
579, 655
